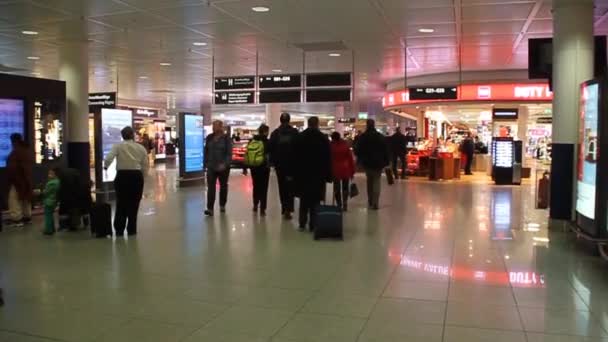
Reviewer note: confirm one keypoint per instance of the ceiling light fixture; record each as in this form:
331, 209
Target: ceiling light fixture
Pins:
199, 44
277, 70
334, 54
260, 9
30, 33
165, 64
143, 77
35, 73
426, 30
33, 58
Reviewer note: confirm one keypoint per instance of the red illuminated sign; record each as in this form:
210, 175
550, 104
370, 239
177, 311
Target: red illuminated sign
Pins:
520, 92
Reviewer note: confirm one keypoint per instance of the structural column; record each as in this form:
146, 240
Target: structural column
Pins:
273, 115
74, 70
339, 114
572, 65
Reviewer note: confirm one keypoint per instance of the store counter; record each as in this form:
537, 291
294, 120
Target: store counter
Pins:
444, 167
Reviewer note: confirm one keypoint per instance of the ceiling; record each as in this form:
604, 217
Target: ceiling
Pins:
128, 39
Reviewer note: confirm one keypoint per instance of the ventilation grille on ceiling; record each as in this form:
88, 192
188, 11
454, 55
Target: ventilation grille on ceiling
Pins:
322, 46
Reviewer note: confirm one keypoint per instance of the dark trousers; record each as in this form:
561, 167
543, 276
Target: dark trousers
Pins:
373, 186
129, 186
308, 208
260, 176
286, 192
469, 163
399, 160
212, 178
341, 192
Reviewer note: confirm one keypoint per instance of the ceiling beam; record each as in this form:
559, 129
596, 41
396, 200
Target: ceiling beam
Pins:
600, 20
524, 30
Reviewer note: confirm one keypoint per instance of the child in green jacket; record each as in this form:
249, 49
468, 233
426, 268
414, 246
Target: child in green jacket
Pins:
49, 196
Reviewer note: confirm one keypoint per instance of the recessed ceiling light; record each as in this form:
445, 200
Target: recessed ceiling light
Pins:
35, 73
277, 70
334, 54
260, 9
143, 77
33, 58
165, 64
426, 30
199, 44
30, 33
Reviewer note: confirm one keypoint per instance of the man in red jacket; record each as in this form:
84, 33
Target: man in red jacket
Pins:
343, 169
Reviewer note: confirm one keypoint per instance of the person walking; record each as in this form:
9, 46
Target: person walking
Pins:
372, 153
398, 145
283, 157
468, 150
256, 157
131, 165
343, 169
218, 156
312, 171
19, 166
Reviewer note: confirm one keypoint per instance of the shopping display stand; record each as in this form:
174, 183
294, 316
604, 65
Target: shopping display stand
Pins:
191, 151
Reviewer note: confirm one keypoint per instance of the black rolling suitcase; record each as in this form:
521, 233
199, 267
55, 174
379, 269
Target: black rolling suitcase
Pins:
328, 222
101, 218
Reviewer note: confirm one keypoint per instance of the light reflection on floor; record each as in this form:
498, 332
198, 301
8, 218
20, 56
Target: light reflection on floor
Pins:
454, 262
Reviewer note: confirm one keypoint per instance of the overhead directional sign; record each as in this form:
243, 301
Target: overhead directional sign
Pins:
234, 97
433, 93
280, 81
234, 83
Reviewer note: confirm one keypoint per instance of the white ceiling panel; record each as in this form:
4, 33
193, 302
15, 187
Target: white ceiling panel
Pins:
134, 36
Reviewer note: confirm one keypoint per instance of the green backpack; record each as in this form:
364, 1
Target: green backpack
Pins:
255, 154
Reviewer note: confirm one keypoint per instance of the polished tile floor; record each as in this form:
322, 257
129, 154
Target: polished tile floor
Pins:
438, 262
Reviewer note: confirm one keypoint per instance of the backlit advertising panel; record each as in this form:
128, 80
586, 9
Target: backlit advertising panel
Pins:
194, 140
12, 116
112, 122
588, 153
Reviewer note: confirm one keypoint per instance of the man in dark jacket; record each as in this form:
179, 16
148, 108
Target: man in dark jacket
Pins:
312, 171
398, 143
282, 157
19, 166
218, 156
372, 154
468, 149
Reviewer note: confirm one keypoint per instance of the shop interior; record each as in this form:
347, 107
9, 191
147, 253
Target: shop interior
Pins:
445, 128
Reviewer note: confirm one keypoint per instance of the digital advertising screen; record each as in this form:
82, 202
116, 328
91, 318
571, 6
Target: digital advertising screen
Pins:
588, 153
194, 140
112, 122
159, 140
48, 133
12, 116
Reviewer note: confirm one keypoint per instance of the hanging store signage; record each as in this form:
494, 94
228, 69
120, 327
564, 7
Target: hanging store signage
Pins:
347, 120
234, 97
234, 83
433, 93
280, 81
505, 114
97, 101
142, 112
524, 92
548, 120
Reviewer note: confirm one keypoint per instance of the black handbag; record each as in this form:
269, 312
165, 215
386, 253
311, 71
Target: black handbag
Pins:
354, 190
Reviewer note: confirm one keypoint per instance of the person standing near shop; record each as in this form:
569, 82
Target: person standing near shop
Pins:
218, 156
398, 144
283, 157
131, 165
256, 157
343, 169
312, 172
19, 166
468, 150
372, 154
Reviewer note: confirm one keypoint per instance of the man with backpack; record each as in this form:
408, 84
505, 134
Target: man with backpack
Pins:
282, 156
257, 159
218, 156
